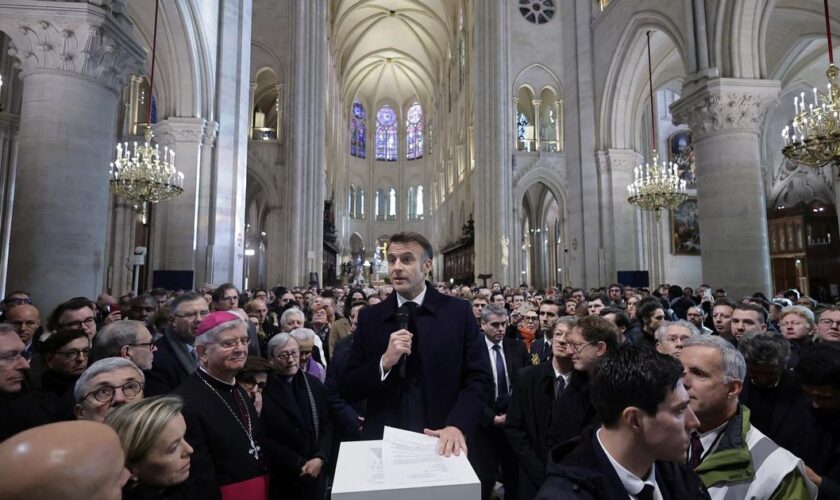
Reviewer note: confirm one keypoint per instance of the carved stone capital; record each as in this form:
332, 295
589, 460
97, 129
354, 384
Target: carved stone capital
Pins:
174, 130
617, 160
79, 38
724, 105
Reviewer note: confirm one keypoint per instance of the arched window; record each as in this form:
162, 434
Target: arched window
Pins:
379, 208
351, 203
415, 203
357, 130
414, 132
386, 134
392, 204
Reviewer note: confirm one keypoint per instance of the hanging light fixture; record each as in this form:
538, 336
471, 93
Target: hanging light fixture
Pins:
656, 185
144, 173
814, 139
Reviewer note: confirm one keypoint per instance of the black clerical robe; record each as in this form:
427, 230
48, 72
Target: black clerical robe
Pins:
223, 454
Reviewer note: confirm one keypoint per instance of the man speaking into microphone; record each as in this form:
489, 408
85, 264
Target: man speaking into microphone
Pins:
418, 357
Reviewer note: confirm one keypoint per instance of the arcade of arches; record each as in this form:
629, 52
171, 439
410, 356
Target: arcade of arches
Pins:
310, 131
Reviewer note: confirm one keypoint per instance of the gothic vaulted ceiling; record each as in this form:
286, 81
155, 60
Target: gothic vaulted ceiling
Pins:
391, 49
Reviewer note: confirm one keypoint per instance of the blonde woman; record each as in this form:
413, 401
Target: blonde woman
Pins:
157, 455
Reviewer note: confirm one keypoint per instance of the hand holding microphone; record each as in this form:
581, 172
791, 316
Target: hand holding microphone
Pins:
399, 344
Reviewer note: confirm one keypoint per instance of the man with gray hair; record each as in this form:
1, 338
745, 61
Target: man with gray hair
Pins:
733, 458
106, 385
671, 334
127, 339
770, 391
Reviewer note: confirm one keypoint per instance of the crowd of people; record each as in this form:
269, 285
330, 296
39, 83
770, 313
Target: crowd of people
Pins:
616, 392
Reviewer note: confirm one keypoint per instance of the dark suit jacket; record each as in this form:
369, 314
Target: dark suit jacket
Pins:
573, 411
291, 441
541, 349
516, 358
172, 365
528, 418
345, 416
456, 380
783, 419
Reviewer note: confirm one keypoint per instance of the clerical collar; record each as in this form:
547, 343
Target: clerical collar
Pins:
632, 483
217, 378
417, 300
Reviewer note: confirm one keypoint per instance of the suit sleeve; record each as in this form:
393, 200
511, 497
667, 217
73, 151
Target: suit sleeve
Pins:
362, 379
477, 386
517, 433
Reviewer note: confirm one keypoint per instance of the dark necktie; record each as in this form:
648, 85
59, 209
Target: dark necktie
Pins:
559, 386
501, 378
695, 451
646, 493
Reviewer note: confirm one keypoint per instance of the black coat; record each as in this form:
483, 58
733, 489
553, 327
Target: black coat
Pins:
172, 365
344, 416
580, 469
53, 403
573, 411
290, 432
541, 348
448, 367
528, 418
489, 447
221, 450
774, 411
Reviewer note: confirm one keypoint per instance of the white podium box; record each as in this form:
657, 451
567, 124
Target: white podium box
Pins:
361, 473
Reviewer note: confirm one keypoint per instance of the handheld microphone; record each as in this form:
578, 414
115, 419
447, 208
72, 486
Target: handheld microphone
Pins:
402, 316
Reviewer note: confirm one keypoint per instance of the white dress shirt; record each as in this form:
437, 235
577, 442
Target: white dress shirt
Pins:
632, 483
493, 364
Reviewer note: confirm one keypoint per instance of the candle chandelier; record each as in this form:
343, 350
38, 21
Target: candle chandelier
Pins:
143, 173
814, 139
656, 185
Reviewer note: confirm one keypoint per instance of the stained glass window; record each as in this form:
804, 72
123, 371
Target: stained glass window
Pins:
414, 132
357, 131
522, 127
386, 134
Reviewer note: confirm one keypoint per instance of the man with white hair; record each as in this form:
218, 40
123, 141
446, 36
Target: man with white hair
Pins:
671, 334
105, 386
223, 426
732, 457
306, 340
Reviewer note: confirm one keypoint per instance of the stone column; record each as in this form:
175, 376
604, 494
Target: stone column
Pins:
615, 169
725, 116
75, 59
493, 176
537, 123
515, 129
174, 228
251, 92
308, 113
204, 248
278, 107
558, 125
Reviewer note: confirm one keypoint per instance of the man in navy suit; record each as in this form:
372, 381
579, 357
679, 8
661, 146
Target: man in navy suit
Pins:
418, 357
490, 448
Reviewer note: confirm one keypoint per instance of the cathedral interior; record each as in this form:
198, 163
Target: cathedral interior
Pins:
307, 132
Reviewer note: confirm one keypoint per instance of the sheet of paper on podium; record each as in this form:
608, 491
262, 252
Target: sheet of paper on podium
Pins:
403, 465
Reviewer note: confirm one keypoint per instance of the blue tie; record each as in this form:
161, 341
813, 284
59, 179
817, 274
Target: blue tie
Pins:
501, 378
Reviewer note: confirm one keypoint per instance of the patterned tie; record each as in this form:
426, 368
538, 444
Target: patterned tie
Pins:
695, 451
646, 493
559, 386
501, 378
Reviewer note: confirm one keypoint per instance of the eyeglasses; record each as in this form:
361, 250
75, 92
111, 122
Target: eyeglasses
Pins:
148, 345
74, 353
11, 357
674, 340
194, 315
27, 324
829, 322
579, 347
287, 355
105, 394
232, 343
18, 301
248, 386
77, 325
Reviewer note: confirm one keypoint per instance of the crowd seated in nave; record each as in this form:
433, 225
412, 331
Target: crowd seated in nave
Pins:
709, 399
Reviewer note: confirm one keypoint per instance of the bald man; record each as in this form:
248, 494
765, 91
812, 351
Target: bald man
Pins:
63, 461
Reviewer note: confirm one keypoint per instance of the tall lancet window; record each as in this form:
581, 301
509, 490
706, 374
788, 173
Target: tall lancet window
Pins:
414, 132
386, 134
358, 145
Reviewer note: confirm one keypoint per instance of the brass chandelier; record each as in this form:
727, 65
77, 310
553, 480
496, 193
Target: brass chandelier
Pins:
814, 139
144, 174
656, 185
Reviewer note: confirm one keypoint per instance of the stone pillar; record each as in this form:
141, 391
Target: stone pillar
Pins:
308, 113
537, 123
615, 169
251, 93
725, 116
558, 125
73, 72
493, 178
204, 249
515, 123
174, 227
278, 109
